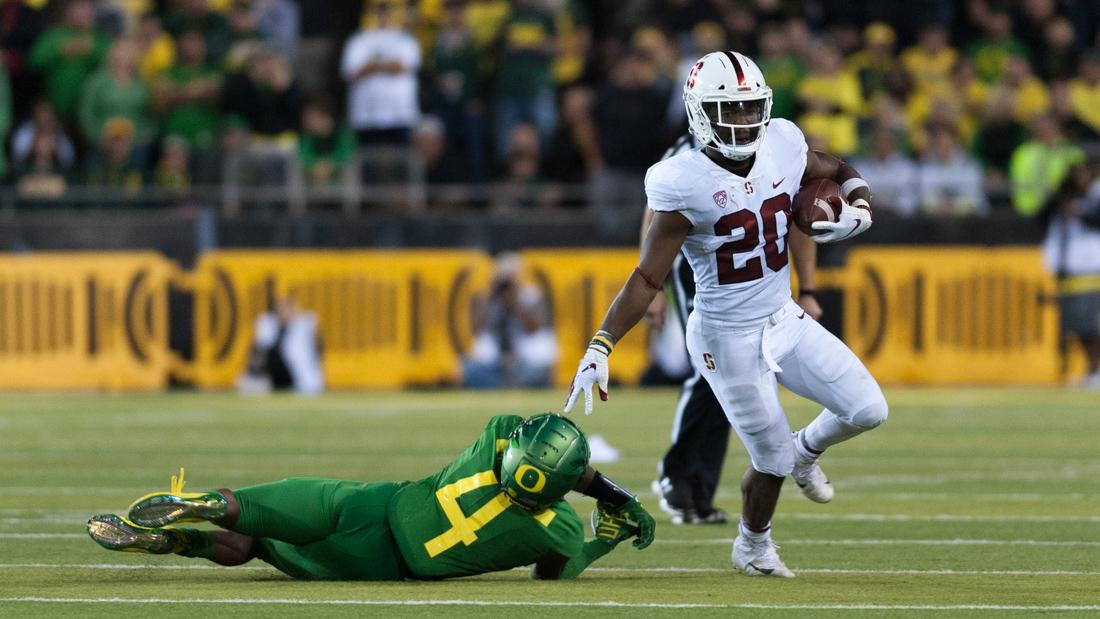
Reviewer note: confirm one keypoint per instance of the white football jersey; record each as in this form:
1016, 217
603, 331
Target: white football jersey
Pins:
737, 245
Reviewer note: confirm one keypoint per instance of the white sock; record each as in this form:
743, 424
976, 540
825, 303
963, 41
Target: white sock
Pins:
754, 536
827, 430
802, 449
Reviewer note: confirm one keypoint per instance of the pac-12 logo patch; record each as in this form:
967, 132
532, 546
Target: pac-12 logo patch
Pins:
720, 198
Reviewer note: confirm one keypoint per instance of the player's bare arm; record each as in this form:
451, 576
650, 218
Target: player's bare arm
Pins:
665, 237
663, 240
855, 201
804, 255
549, 567
657, 312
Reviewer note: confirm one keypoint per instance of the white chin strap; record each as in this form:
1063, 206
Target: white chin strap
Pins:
729, 153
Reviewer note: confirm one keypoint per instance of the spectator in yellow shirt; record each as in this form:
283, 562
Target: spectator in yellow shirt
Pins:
831, 99
957, 104
875, 66
486, 18
156, 48
1084, 92
1028, 95
930, 61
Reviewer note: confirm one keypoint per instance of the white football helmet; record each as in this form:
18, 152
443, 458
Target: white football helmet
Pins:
727, 90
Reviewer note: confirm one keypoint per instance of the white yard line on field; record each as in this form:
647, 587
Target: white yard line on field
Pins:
570, 604
938, 518
128, 566
42, 535
895, 542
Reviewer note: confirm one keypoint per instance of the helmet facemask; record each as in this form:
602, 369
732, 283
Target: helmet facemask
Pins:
731, 124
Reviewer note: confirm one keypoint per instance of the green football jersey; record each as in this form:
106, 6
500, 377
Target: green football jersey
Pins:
458, 522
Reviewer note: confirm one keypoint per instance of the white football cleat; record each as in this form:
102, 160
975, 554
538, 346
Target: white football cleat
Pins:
758, 558
811, 480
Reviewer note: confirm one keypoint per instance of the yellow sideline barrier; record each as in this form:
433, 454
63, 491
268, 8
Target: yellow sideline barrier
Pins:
580, 286
951, 315
395, 318
84, 320
388, 318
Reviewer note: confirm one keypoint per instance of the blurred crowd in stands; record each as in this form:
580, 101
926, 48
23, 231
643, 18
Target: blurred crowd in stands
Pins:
945, 107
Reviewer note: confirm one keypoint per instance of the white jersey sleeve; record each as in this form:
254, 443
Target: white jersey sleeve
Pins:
789, 146
668, 186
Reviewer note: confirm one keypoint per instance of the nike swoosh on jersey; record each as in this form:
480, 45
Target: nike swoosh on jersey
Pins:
802, 315
779, 182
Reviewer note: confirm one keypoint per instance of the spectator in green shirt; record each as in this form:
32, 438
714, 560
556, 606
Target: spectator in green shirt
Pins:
456, 94
325, 147
197, 15
782, 69
525, 85
1039, 165
68, 54
115, 91
992, 51
187, 94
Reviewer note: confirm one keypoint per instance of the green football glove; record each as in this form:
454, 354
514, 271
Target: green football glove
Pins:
610, 526
640, 518
616, 525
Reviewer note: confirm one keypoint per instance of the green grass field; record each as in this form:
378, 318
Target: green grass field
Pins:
967, 502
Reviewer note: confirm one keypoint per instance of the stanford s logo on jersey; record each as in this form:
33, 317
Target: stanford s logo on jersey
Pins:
720, 198
748, 187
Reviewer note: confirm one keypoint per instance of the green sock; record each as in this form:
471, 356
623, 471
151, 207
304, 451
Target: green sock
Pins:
196, 543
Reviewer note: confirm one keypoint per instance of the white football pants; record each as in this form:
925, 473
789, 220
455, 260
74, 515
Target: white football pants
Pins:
743, 363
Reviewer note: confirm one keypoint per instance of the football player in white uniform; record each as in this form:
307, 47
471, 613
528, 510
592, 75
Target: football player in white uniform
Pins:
728, 206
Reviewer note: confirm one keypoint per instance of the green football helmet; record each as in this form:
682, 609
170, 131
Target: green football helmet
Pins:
544, 460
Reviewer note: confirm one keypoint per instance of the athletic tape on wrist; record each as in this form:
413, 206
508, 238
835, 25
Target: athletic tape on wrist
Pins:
852, 184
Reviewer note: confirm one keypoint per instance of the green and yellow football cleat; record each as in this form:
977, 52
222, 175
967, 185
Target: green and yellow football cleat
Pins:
157, 509
117, 533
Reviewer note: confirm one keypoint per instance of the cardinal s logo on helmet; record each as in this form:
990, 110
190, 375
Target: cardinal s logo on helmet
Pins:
728, 104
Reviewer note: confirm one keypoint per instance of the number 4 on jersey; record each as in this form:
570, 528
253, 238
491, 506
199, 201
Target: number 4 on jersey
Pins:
753, 269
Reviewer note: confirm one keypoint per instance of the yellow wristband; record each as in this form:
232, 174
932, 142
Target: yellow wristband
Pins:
603, 339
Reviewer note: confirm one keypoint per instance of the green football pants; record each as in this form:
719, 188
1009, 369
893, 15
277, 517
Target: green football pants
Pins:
322, 529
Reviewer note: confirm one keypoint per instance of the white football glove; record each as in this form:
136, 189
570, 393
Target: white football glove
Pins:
591, 371
853, 221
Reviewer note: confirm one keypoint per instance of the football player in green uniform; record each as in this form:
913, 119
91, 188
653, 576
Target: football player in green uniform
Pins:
498, 506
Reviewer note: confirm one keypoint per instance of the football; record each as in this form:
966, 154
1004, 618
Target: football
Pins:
811, 204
